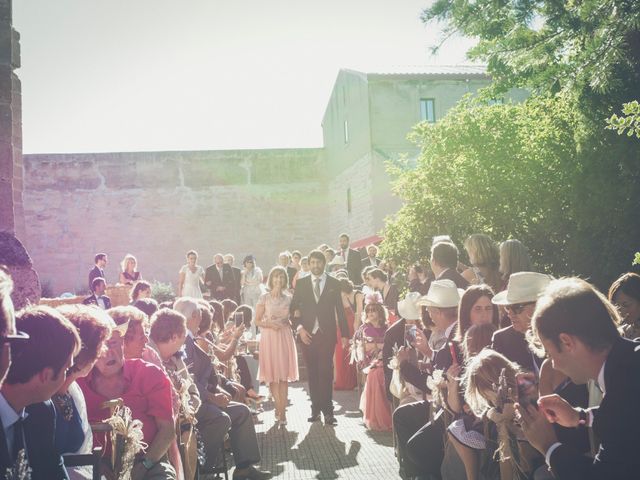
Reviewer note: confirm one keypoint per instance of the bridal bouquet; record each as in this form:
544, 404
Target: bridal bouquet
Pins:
20, 469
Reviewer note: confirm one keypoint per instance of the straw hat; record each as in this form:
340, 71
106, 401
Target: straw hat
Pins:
442, 294
408, 308
523, 287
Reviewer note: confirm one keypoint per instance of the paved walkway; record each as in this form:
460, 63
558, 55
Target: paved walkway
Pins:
313, 451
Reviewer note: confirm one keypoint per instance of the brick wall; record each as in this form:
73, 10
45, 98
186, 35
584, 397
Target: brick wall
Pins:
157, 206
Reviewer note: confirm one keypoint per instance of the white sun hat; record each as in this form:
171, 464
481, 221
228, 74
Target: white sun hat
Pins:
408, 308
442, 294
523, 287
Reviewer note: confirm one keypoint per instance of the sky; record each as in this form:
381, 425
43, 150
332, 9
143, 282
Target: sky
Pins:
157, 75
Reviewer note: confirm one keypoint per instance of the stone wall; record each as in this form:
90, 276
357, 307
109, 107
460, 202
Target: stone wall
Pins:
158, 205
11, 214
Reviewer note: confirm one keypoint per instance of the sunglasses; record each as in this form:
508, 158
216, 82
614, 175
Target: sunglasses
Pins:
517, 308
17, 338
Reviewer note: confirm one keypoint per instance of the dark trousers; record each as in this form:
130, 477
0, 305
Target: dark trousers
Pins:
407, 420
318, 358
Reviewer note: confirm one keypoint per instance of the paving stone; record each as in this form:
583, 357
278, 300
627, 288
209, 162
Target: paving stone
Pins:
314, 451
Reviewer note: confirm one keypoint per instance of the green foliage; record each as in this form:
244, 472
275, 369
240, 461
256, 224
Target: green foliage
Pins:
636, 260
519, 171
162, 292
630, 122
548, 45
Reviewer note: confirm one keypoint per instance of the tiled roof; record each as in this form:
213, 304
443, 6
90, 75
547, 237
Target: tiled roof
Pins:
427, 70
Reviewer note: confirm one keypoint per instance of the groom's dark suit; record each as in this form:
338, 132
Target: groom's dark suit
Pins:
39, 433
318, 356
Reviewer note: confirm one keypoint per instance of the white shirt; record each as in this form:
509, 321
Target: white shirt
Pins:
9, 417
100, 302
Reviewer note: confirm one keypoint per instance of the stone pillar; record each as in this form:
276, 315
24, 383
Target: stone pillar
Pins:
12, 225
11, 210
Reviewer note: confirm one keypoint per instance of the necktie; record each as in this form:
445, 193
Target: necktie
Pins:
316, 289
18, 437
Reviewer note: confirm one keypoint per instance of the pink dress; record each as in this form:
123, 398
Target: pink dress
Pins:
278, 354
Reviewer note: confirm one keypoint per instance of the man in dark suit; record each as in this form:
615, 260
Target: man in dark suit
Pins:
395, 336
578, 329
219, 278
97, 297
316, 304
98, 269
237, 277
218, 415
444, 261
351, 258
284, 260
519, 300
418, 454
371, 260
26, 412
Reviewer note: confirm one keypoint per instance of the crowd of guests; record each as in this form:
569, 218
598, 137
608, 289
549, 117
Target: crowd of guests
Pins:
490, 370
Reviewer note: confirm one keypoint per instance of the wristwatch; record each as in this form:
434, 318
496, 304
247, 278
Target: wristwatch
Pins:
148, 464
583, 417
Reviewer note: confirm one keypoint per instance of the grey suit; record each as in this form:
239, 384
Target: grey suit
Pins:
214, 422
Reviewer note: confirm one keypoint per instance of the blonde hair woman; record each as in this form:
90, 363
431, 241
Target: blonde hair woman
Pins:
484, 256
129, 274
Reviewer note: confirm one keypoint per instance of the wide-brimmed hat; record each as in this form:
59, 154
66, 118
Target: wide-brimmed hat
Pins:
523, 287
442, 294
408, 307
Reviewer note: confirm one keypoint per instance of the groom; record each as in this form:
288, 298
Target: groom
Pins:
316, 304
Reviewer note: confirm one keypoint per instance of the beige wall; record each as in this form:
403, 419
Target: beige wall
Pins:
159, 205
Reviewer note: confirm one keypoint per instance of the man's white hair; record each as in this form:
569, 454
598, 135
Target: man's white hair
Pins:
186, 306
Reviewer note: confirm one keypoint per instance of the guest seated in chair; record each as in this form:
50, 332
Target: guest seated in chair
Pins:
37, 371
146, 390
218, 415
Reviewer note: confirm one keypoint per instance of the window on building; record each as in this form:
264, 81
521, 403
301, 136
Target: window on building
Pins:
349, 200
346, 131
427, 110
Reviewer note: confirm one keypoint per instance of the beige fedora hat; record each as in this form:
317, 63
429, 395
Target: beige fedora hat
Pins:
442, 294
408, 307
523, 287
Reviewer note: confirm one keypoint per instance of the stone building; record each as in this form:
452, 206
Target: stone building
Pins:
159, 205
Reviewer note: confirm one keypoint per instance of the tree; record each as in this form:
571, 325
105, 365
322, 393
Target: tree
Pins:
629, 122
516, 171
549, 45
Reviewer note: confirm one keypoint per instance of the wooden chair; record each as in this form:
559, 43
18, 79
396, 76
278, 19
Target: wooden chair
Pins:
92, 460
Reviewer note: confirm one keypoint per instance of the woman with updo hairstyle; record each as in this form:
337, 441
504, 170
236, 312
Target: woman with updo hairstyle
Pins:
228, 307
129, 273
191, 277
73, 432
625, 295
345, 377
140, 290
484, 256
